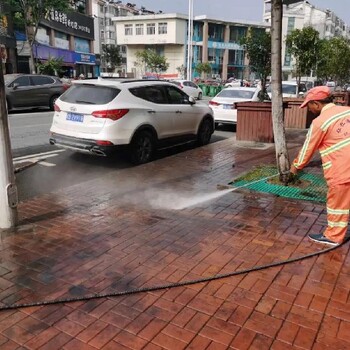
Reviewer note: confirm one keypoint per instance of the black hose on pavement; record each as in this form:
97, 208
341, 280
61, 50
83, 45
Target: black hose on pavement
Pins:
166, 286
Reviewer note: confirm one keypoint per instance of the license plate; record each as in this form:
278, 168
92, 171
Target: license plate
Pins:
227, 106
75, 117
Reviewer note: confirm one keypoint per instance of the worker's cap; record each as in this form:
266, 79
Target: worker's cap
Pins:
317, 93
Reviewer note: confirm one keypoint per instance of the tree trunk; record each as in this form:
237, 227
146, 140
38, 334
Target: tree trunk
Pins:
282, 158
31, 42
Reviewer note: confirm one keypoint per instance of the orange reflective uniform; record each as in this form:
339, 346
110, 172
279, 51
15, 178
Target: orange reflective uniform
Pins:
330, 134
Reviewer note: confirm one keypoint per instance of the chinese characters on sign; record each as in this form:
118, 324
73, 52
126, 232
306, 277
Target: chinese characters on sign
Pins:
63, 19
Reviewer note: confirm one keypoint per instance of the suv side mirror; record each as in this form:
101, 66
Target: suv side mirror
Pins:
191, 100
15, 86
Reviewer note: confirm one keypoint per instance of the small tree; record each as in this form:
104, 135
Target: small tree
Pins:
53, 66
203, 68
334, 60
112, 57
30, 13
150, 60
258, 48
182, 71
303, 44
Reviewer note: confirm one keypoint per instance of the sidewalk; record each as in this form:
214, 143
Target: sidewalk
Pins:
119, 232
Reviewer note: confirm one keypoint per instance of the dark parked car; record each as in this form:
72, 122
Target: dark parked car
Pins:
31, 90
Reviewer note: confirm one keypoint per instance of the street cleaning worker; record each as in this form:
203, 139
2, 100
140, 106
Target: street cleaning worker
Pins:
330, 134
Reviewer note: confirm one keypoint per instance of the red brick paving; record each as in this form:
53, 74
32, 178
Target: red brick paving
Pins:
104, 236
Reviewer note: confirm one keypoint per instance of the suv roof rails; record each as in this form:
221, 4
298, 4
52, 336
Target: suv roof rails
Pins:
140, 80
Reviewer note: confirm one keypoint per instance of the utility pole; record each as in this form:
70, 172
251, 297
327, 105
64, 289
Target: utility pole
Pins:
190, 40
8, 188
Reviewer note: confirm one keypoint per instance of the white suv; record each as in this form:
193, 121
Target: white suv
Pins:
101, 115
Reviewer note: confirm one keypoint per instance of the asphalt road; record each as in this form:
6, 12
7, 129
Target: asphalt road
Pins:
56, 168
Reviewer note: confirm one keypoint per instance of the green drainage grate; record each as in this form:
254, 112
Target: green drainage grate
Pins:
312, 188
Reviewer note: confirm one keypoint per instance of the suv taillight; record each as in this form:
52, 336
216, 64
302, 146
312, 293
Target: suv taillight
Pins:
113, 114
56, 108
213, 103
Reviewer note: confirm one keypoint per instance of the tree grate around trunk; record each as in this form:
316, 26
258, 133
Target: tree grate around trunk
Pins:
309, 187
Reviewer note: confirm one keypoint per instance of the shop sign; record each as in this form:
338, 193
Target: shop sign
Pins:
72, 22
84, 58
223, 46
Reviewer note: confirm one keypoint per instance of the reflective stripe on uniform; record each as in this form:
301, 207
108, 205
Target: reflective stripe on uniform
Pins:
327, 165
337, 211
305, 147
337, 224
335, 147
333, 119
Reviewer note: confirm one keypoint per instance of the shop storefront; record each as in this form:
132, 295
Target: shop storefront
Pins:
69, 37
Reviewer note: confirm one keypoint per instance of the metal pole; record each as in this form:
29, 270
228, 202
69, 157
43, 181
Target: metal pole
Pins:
191, 40
188, 77
8, 188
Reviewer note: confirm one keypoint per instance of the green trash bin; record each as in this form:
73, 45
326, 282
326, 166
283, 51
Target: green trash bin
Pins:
205, 90
219, 88
212, 90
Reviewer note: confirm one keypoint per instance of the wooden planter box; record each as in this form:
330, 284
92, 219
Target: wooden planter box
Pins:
254, 122
294, 116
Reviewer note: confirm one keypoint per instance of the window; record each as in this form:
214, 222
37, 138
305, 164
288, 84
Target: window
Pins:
101, 21
102, 34
163, 28
153, 94
101, 8
110, 35
128, 29
22, 81
287, 59
237, 94
40, 80
291, 23
139, 29
122, 49
176, 96
81, 94
151, 28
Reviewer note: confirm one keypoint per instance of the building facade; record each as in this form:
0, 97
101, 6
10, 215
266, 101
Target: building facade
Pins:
214, 41
303, 14
103, 11
68, 36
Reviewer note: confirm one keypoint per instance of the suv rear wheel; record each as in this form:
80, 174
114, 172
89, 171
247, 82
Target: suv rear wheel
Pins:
204, 132
142, 147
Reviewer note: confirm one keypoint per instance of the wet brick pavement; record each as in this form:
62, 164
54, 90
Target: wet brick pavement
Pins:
115, 233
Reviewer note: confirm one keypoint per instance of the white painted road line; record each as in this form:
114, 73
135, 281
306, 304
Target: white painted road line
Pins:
34, 161
29, 159
46, 164
29, 156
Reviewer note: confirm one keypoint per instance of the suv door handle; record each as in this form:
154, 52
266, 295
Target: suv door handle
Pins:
177, 112
151, 111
